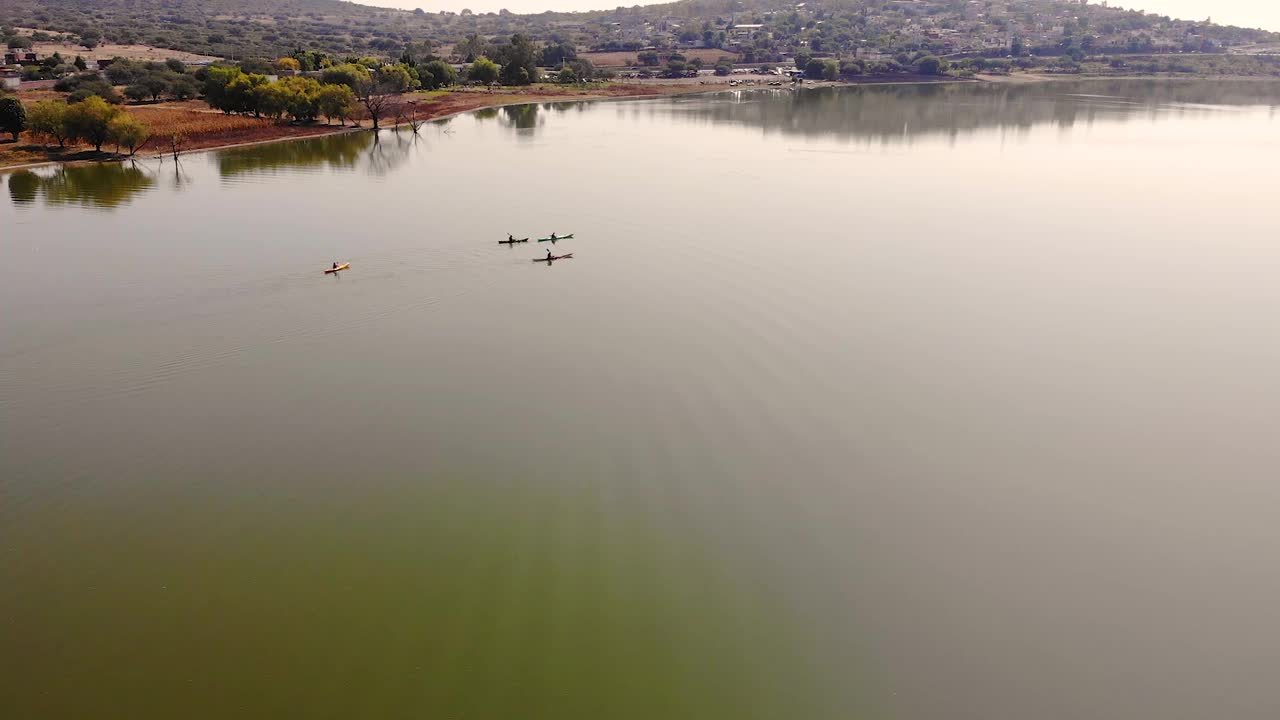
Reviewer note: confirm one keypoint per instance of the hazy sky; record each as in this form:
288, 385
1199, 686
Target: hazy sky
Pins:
1252, 13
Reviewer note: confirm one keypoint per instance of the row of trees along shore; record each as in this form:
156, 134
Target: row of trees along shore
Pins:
314, 85
336, 91
92, 121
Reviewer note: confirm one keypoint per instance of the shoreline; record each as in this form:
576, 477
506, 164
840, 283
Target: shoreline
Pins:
656, 91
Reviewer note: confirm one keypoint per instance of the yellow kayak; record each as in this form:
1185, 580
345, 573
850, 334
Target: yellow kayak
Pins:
343, 266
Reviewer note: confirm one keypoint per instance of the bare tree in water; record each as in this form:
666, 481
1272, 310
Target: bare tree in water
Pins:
374, 97
177, 142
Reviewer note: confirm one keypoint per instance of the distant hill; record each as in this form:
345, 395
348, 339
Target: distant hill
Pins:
763, 30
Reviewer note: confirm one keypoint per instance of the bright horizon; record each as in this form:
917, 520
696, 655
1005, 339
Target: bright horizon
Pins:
1246, 13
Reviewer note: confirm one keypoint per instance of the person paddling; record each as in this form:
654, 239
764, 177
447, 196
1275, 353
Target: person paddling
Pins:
335, 265
511, 238
548, 256
553, 237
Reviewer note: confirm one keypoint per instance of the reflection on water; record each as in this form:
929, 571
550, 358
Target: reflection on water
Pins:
522, 117
900, 113
375, 153
885, 113
100, 185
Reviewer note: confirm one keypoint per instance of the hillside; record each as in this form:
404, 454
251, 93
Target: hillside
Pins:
762, 30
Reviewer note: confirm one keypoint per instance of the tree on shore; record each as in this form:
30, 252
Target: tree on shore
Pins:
127, 131
442, 75
519, 61
349, 74
373, 97
216, 87
931, 65
483, 70
13, 117
336, 101
90, 119
396, 78
48, 119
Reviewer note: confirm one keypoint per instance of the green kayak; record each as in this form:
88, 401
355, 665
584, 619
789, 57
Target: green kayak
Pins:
558, 237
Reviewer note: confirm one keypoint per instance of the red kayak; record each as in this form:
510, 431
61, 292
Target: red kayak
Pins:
554, 257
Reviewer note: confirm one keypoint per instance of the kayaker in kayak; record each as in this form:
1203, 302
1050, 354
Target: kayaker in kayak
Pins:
548, 255
553, 237
335, 265
511, 238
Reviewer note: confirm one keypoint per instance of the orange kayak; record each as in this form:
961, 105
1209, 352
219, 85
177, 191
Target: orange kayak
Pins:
343, 266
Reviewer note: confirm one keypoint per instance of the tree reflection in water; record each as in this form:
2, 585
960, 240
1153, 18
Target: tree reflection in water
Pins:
904, 113
97, 185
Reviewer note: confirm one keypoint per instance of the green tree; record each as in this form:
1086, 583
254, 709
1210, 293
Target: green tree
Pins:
137, 92
217, 87
931, 65
483, 70
471, 48
156, 84
243, 94
17, 42
583, 68
90, 38
128, 131
802, 60
830, 70
269, 99
519, 55
442, 74
567, 76
104, 91
336, 101
13, 117
349, 74
48, 118
396, 78
89, 120
648, 58
122, 71
814, 68
302, 97
852, 68
184, 87
724, 66
558, 54
80, 64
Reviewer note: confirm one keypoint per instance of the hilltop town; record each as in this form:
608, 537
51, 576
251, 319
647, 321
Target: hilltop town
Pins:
754, 31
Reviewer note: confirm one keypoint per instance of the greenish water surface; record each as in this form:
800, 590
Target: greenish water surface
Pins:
887, 402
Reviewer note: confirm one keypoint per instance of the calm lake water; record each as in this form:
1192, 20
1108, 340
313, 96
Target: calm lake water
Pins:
894, 402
